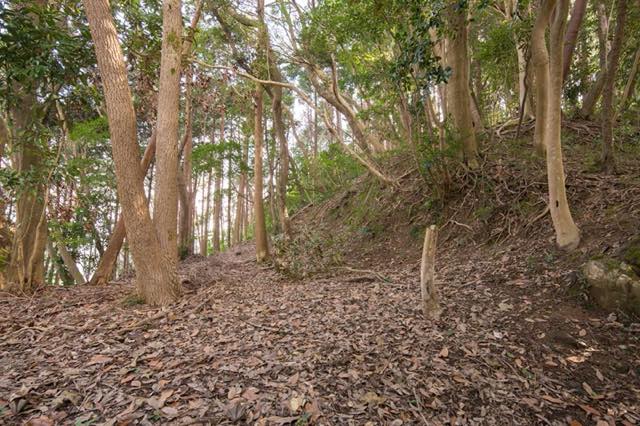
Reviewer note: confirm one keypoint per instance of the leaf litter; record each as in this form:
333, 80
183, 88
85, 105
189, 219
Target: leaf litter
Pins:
246, 345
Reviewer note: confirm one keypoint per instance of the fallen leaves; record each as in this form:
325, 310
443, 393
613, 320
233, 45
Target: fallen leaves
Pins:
263, 350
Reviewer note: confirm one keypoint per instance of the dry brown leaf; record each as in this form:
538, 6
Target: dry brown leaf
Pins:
553, 399
99, 359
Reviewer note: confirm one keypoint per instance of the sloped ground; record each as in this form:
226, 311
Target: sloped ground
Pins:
517, 342
247, 346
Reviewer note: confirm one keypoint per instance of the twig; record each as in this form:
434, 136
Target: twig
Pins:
540, 216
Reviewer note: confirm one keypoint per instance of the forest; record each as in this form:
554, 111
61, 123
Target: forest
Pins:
319, 212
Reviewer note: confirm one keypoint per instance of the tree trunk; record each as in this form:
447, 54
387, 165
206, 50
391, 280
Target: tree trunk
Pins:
608, 159
631, 83
430, 298
262, 245
549, 73
229, 180
109, 258
540, 59
204, 240
166, 197
510, 12
70, 264
458, 87
283, 172
185, 182
570, 38
590, 100
156, 277
217, 198
25, 271
242, 194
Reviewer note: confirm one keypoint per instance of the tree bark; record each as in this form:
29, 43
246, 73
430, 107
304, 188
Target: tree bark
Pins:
185, 181
631, 83
204, 240
109, 258
459, 93
217, 198
156, 277
571, 36
25, 271
549, 73
166, 196
70, 264
430, 297
608, 162
260, 227
590, 100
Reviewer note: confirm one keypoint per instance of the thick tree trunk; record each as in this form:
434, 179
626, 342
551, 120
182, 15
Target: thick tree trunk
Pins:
25, 271
571, 36
549, 73
166, 197
156, 277
608, 159
109, 258
458, 87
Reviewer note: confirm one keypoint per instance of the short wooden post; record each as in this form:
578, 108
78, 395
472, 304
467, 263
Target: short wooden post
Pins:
430, 305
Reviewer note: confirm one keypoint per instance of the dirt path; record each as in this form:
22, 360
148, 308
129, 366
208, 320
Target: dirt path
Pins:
246, 345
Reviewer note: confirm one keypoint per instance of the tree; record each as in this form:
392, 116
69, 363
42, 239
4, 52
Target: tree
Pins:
156, 278
608, 112
458, 86
571, 36
165, 213
548, 66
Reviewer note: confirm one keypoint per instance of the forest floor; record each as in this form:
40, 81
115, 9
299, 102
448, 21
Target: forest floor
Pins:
347, 344
248, 345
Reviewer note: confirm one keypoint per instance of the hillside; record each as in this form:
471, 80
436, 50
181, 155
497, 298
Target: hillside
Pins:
345, 342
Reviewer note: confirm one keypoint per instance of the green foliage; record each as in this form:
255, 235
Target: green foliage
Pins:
329, 172
38, 47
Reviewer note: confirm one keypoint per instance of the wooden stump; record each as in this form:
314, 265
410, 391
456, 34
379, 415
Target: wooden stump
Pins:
430, 305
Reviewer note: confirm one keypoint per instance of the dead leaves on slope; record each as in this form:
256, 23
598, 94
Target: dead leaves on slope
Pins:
253, 348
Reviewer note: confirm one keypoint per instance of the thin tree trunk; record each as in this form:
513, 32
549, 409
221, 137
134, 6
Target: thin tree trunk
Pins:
70, 264
185, 187
549, 73
262, 244
631, 83
204, 240
156, 277
571, 36
229, 198
608, 158
590, 100
217, 199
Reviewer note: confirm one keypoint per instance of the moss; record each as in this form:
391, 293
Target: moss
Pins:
132, 299
483, 213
